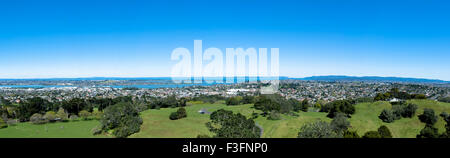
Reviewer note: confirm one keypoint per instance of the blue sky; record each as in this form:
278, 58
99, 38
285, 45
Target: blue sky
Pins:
77, 38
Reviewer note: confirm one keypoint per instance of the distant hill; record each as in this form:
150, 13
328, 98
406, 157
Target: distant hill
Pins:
371, 78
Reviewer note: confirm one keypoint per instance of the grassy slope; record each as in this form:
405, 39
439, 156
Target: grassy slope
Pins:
76, 129
158, 125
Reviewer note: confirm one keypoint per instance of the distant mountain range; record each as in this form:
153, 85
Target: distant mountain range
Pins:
371, 78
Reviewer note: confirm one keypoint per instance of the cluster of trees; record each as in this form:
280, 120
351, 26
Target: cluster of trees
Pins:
225, 124
247, 99
338, 128
121, 120
167, 102
430, 131
397, 112
395, 93
274, 103
179, 114
208, 98
345, 106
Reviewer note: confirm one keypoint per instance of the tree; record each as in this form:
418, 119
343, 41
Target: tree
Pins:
62, 115
340, 123
428, 132
32, 106
372, 134
74, 106
318, 129
225, 124
384, 132
50, 116
179, 114
428, 117
388, 116
410, 110
122, 118
343, 106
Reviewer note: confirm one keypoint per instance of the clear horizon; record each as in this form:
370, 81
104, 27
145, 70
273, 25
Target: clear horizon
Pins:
79, 39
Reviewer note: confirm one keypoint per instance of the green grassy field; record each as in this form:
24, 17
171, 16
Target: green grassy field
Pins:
72, 129
158, 125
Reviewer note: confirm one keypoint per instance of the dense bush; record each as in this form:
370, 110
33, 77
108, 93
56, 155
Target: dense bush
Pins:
398, 111
384, 132
122, 118
446, 118
319, 129
73, 118
428, 132
340, 106
388, 116
225, 124
428, 117
179, 114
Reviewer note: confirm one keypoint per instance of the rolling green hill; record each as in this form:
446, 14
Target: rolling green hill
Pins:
158, 125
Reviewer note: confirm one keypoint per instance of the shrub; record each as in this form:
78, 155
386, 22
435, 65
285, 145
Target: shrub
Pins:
428, 117
387, 116
384, 132
319, 129
428, 132
343, 106
350, 134
179, 114
409, 110
50, 116
255, 115
37, 119
85, 115
62, 115
372, 134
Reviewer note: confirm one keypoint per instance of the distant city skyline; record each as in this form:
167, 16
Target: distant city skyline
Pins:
75, 39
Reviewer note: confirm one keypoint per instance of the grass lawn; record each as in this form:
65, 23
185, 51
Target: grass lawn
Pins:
72, 129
